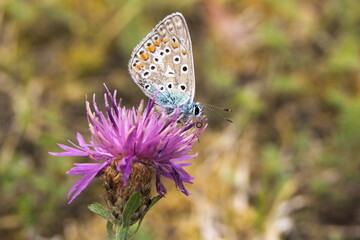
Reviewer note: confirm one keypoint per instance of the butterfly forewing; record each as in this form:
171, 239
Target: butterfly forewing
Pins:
163, 63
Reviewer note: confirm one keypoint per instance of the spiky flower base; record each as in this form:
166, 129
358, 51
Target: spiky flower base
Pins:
117, 194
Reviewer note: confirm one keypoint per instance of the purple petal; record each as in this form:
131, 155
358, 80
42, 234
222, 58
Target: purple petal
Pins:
70, 151
160, 188
178, 182
90, 171
125, 167
79, 186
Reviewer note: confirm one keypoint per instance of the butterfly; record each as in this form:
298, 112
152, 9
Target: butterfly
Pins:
162, 66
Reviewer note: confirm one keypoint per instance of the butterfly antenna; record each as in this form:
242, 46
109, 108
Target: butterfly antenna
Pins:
212, 108
216, 107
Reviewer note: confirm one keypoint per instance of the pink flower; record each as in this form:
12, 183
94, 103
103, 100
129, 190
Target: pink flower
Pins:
123, 137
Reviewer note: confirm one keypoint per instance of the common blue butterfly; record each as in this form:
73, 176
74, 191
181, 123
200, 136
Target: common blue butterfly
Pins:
162, 65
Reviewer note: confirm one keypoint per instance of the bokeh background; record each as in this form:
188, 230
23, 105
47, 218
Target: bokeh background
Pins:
287, 168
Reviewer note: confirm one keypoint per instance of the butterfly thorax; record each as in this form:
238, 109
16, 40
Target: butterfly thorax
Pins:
187, 110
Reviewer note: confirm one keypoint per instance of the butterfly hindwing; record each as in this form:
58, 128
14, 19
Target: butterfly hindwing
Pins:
163, 63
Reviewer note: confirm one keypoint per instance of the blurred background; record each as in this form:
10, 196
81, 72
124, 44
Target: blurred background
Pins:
287, 168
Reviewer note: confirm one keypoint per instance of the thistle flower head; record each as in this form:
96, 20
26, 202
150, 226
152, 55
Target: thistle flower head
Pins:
129, 146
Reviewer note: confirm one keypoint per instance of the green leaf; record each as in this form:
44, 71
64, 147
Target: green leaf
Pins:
152, 203
130, 207
109, 229
101, 211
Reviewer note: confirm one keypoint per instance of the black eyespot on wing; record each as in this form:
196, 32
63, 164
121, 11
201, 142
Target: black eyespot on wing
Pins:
182, 87
147, 86
174, 39
176, 59
167, 50
161, 88
146, 74
169, 85
184, 68
152, 67
156, 59
161, 53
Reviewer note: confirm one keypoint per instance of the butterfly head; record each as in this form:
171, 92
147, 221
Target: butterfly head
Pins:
197, 110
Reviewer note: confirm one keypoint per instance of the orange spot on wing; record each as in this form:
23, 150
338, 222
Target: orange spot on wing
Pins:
137, 67
165, 40
183, 51
144, 56
175, 45
156, 43
151, 48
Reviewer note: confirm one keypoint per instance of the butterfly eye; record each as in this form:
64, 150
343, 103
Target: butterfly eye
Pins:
182, 87
196, 111
184, 68
176, 59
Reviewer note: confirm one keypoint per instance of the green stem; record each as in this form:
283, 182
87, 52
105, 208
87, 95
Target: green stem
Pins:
109, 229
122, 233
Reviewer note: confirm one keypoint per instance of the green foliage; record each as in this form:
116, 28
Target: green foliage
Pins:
120, 227
101, 211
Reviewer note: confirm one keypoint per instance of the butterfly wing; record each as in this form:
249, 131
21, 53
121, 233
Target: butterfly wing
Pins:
163, 63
